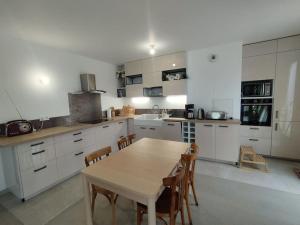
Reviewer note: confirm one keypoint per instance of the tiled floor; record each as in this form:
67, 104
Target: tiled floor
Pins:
229, 201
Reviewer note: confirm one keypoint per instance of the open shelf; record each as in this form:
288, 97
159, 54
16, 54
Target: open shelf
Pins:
134, 79
177, 74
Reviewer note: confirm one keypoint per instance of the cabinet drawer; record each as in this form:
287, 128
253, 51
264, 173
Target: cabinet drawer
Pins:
34, 180
71, 136
260, 145
255, 131
70, 164
35, 145
69, 146
33, 158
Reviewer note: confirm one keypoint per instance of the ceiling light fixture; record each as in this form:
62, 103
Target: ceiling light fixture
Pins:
152, 50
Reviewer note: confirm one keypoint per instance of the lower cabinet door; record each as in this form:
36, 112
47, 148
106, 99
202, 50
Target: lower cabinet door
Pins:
260, 145
141, 132
205, 139
70, 164
154, 132
227, 142
286, 140
35, 179
172, 131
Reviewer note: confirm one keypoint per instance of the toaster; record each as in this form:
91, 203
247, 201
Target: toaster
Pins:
216, 115
15, 128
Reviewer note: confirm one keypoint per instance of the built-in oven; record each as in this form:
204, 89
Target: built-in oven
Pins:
256, 112
257, 88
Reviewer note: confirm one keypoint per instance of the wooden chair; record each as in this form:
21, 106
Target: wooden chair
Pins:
194, 151
112, 197
122, 143
130, 138
170, 202
187, 162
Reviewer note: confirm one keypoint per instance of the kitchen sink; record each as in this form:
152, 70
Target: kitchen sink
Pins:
149, 119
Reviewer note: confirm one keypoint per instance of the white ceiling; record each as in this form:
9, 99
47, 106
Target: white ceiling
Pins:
117, 31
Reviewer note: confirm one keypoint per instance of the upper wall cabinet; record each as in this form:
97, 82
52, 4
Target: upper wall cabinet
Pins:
133, 68
259, 67
174, 87
289, 43
261, 48
171, 62
152, 79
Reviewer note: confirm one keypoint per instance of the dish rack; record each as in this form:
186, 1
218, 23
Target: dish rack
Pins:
188, 131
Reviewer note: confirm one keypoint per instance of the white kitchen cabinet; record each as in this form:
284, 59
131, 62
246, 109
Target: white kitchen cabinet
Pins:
255, 131
172, 61
148, 132
152, 79
175, 87
133, 68
171, 131
260, 145
286, 140
36, 179
205, 139
261, 48
149, 65
227, 142
287, 87
289, 43
134, 90
70, 163
259, 67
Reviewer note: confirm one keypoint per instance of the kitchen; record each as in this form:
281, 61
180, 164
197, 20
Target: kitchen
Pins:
233, 92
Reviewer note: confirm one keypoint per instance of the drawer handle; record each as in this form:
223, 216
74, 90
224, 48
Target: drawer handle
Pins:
277, 114
254, 128
152, 128
105, 126
251, 139
77, 133
276, 126
80, 153
78, 140
39, 152
36, 144
121, 122
39, 169
208, 125
223, 126
143, 128
171, 124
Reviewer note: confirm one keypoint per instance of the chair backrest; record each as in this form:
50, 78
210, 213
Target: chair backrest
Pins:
122, 143
97, 155
186, 161
195, 151
176, 184
130, 138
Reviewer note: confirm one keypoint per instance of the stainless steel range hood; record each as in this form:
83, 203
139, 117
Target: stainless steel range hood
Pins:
88, 84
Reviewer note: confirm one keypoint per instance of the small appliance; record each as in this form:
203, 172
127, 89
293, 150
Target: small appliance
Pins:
216, 115
257, 88
256, 112
189, 111
201, 114
15, 128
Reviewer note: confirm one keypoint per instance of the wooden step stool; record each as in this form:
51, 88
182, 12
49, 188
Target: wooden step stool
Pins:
249, 157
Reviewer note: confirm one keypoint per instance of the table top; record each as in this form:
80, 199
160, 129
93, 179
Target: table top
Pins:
140, 167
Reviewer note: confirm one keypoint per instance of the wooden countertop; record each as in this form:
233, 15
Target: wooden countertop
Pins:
49, 132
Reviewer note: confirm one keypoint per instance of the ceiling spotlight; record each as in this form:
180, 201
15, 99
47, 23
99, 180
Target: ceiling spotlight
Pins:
152, 50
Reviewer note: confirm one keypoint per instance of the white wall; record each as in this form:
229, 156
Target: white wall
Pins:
23, 66
173, 102
216, 85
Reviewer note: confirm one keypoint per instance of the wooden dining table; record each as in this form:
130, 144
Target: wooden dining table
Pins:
136, 172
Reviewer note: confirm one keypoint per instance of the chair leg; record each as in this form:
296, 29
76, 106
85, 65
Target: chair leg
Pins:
182, 216
94, 195
188, 210
139, 216
194, 192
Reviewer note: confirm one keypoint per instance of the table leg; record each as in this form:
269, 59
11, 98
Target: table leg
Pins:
151, 212
87, 199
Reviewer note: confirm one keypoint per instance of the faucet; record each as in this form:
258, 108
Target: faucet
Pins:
155, 109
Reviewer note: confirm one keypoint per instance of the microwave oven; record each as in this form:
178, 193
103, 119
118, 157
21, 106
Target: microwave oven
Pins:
259, 88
